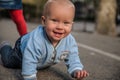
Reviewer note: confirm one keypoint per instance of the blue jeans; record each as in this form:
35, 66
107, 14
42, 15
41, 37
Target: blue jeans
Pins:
12, 58
11, 4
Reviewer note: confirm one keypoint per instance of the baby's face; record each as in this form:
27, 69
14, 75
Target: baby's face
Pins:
59, 22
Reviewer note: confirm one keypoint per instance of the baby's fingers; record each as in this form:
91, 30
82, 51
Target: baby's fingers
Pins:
81, 74
85, 73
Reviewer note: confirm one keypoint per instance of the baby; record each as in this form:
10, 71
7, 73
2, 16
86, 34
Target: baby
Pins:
48, 44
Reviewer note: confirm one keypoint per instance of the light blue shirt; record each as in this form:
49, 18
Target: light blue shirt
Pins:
39, 53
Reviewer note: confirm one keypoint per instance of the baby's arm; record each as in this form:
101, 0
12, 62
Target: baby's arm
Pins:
29, 70
30, 60
29, 78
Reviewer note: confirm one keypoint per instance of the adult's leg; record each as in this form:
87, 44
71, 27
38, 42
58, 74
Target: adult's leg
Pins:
18, 17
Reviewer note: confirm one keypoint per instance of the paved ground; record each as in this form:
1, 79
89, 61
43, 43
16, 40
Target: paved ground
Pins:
99, 54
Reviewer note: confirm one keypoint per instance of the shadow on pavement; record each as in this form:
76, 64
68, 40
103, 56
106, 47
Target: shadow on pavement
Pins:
51, 73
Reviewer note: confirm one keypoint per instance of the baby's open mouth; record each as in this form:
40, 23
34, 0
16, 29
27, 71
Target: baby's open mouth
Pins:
58, 34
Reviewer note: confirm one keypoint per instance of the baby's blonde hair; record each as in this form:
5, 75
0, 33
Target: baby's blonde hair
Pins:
60, 2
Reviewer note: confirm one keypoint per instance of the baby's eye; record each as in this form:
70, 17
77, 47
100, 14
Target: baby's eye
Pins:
66, 22
54, 20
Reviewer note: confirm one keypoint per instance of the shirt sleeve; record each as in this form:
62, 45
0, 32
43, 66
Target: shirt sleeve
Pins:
30, 59
31, 77
73, 60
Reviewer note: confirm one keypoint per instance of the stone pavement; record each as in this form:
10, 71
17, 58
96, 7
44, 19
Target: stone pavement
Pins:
89, 27
57, 72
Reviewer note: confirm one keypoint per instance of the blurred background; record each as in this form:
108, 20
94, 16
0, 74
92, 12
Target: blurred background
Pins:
101, 16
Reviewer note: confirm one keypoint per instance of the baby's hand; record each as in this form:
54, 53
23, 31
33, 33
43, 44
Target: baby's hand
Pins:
80, 74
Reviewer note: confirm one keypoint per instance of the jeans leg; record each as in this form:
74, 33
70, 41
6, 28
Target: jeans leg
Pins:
8, 57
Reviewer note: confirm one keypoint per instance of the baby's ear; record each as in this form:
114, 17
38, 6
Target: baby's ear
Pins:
73, 23
43, 20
